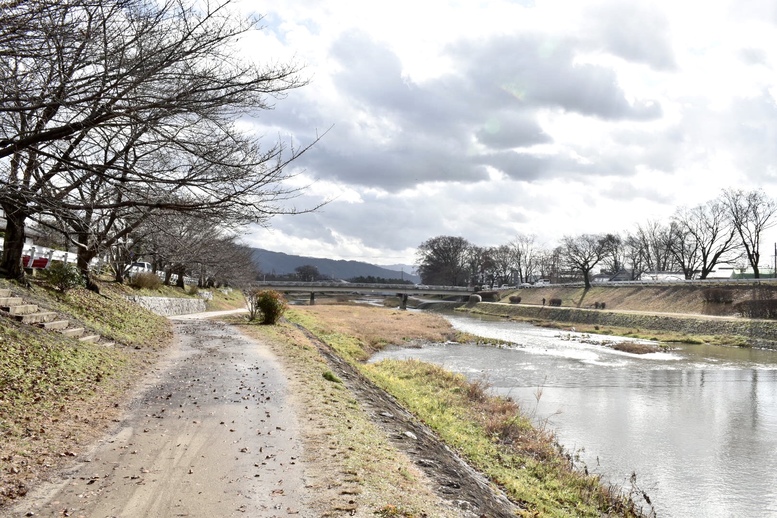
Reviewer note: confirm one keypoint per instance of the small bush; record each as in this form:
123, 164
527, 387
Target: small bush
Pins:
268, 304
489, 296
63, 276
757, 308
146, 280
717, 296
598, 305
554, 302
515, 299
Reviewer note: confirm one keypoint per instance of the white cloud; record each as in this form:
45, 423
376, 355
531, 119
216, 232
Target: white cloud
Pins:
485, 119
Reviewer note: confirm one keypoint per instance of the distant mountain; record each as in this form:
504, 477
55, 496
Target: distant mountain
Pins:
279, 263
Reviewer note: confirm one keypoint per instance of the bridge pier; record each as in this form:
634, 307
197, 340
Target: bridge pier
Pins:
312, 298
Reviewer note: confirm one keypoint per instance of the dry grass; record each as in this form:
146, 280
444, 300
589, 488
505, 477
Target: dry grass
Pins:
655, 299
351, 468
376, 327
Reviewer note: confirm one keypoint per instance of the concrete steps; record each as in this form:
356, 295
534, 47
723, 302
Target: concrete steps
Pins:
14, 307
55, 325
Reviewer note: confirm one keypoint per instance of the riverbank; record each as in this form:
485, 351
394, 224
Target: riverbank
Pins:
664, 327
490, 433
668, 313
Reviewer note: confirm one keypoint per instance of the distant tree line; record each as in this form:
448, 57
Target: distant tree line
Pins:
121, 132
696, 240
310, 273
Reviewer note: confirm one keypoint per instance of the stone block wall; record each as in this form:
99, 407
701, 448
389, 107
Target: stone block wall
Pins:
169, 306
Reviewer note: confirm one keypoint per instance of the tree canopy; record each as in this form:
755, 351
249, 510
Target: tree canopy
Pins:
113, 110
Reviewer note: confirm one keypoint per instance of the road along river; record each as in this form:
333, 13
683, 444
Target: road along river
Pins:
697, 425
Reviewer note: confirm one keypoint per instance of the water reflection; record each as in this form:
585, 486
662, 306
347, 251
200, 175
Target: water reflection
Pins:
697, 424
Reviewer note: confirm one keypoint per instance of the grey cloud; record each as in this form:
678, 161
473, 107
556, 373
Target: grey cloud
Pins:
636, 32
493, 97
510, 130
526, 167
526, 71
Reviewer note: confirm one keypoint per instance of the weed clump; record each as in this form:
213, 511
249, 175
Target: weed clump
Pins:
515, 299
554, 302
146, 280
63, 276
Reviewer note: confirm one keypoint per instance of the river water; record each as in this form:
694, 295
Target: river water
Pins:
698, 424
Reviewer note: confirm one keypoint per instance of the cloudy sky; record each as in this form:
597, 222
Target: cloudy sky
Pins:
487, 119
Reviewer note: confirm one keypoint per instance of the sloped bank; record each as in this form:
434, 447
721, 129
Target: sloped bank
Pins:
762, 333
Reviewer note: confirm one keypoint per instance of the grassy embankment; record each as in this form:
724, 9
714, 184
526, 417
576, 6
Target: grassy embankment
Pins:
58, 394
669, 299
490, 432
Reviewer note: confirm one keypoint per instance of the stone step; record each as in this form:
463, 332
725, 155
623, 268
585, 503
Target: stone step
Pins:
90, 338
55, 325
107, 344
10, 301
73, 332
20, 309
36, 318
5, 292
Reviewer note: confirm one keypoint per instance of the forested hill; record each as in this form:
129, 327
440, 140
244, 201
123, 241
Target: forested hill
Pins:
278, 263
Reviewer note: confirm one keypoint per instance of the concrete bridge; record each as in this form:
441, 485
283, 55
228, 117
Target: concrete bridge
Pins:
401, 290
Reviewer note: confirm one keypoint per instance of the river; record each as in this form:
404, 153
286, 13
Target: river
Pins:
697, 425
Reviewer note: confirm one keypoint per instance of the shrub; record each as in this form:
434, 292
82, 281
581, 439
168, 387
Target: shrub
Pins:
759, 308
146, 280
268, 304
554, 302
63, 276
515, 299
717, 296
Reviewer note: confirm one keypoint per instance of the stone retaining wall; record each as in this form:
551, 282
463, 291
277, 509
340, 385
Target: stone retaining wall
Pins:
762, 333
170, 306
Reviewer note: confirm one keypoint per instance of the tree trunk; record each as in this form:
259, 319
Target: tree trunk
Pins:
13, 244
587, 278
179, 283
85, 256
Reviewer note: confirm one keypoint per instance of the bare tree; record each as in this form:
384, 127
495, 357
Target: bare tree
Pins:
504, 261
750, 213
307, 273
443, 260
527, 255
652, 240
584, 252
142, 95
703, 237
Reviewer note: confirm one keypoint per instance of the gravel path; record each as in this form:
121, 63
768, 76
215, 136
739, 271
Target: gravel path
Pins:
209, 434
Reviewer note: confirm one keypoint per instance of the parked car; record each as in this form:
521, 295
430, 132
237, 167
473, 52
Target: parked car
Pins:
542, 282
524, 285
506, 287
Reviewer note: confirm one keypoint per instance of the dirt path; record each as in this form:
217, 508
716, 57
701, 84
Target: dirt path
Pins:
210, 434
